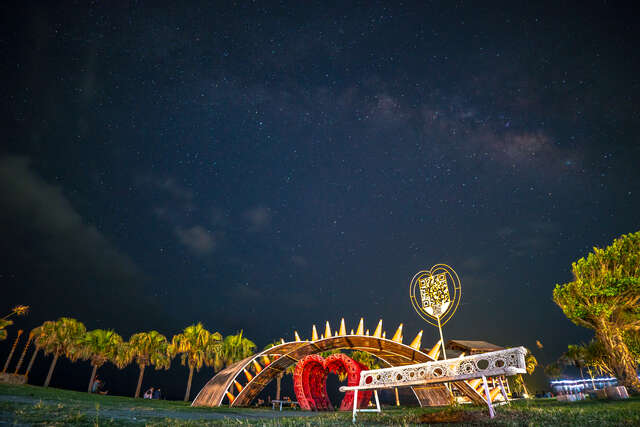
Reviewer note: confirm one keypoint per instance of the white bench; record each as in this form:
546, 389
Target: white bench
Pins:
493, 364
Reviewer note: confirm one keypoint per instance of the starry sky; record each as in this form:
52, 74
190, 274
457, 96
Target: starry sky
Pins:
264, 166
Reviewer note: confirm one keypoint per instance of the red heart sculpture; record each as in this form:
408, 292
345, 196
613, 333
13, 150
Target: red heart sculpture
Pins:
310, 381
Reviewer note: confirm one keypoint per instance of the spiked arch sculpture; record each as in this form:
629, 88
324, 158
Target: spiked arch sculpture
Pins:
237, 386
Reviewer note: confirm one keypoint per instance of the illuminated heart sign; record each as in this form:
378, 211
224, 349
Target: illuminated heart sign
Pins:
435, 294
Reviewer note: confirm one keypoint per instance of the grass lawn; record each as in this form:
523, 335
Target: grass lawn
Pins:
37, 405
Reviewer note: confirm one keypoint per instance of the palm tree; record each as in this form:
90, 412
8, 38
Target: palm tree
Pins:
148, 348
531, 363
36, 332
60, 338
197, 347
3, 331
99, 346
280, 376
233, 349
575, 356
18, 310
553, 370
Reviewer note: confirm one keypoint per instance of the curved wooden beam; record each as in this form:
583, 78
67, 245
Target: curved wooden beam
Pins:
393, 353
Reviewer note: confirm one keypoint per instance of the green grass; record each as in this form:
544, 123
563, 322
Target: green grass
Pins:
40, 406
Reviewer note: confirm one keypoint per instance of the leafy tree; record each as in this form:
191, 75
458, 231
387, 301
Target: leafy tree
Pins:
148, 349
197, 347
18, 310
100, 346
234, 348
596, 357
60, 338
632, 339
604, 297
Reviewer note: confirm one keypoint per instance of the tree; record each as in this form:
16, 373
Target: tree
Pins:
60, 338
197, 347
18, 310
596, 357
99, 346
233, 349
632, 339
367, 359
37, 331
530, 363
575, 356
604, 297
148, 349
281, 374
553, 370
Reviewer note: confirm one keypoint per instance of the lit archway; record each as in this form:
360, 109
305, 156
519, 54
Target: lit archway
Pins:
237, 386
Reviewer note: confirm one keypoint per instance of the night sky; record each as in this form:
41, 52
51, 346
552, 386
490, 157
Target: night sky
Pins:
266, 166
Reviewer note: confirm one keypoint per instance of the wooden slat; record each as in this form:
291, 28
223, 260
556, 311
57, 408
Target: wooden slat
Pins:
392, 353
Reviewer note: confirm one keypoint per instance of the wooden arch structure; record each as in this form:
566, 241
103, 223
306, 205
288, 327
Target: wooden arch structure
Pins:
237, 386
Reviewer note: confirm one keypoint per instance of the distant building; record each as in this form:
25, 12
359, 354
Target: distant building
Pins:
471, 347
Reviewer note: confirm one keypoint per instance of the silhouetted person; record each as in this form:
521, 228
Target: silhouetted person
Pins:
148, 394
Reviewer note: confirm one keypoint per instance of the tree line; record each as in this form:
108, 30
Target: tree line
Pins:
196, 346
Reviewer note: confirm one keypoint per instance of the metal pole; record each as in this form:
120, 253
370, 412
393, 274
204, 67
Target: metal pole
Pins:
444, 352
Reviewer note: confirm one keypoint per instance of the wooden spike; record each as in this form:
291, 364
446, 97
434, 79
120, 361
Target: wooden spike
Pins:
435, 351
378, 332
257, 367
343, 328
230, 397
360, 329
417, 341
281, 340
397, 337
314, 334
384, 335
367, 332
474, 383
238, 386
266, 360
295, 334
248, 375
494, 392
327, 330
351, 332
